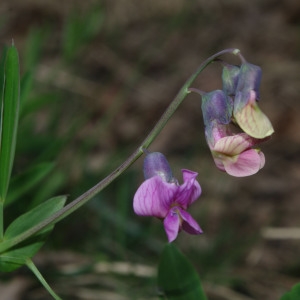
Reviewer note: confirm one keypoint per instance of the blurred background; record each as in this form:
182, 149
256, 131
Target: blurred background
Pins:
96, 76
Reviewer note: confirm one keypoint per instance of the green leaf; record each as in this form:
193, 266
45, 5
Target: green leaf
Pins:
10, 112
22, 183
16, 257
177, 278
293, 294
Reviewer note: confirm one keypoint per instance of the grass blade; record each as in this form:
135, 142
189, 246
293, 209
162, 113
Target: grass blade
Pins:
10, 112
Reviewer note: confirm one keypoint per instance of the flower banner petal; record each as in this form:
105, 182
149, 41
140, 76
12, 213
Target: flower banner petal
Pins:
154, 197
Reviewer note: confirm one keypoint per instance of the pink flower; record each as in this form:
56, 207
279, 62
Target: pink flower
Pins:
234, 153
169, 201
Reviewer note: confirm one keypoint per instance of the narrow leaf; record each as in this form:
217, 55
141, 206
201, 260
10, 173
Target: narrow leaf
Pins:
34, 217
16, 257
9, 118
42, 280
177, 278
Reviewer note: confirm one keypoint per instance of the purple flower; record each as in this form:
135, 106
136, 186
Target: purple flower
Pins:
168, 200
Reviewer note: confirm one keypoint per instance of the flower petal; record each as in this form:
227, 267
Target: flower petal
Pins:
219, 162
251, 119
262, 159
189, 191
247, 163
154, 197
235, 144
172, 225
189, 224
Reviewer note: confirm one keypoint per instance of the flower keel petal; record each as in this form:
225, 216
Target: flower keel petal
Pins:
189, 224
247, 163
172, 225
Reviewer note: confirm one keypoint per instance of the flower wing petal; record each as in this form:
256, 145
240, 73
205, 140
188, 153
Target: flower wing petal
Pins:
247, 163
172, 225
189, 191
189, 224
154, 197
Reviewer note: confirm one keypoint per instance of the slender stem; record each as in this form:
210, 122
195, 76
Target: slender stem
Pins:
40, 277
75, 204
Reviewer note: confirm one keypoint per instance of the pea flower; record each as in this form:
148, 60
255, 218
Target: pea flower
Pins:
161, 196
232, 152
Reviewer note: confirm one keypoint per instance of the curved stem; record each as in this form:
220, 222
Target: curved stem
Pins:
81, 200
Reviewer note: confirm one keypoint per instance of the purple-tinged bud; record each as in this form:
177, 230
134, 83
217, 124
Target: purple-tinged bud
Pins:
246, 112
249, 79
216, 106
230, 76
155, 163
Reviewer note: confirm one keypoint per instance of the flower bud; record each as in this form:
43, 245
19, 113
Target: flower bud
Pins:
246, 112
155, 163
249, 79
216, 106
230, 76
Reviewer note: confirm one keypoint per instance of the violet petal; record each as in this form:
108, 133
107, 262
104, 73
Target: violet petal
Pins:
189, 224
154, 197
172, 225
189, 191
